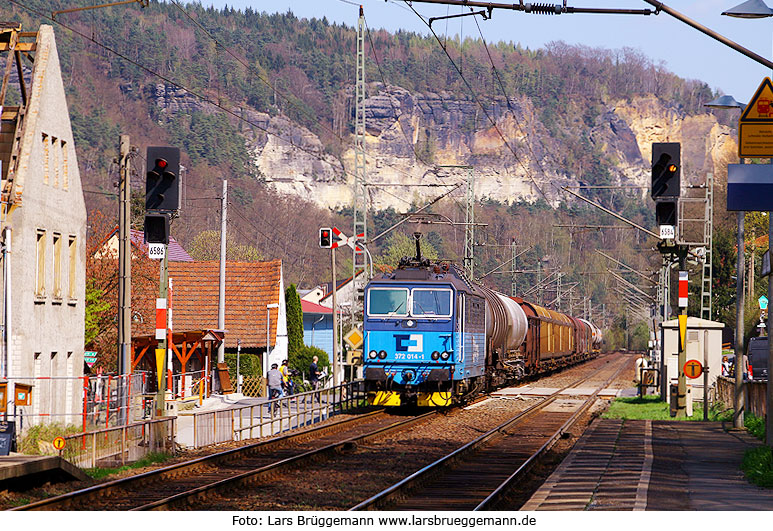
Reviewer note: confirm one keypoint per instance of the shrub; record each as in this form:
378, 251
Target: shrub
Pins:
29, 442
249, 365
302, 359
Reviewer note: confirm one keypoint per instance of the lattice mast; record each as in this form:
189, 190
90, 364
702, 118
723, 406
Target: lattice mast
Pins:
708, 237
360, 196
469, 226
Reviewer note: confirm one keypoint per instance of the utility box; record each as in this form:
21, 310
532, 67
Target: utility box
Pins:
701, 334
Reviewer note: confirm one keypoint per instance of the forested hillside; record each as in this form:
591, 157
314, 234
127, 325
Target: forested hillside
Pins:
211, 82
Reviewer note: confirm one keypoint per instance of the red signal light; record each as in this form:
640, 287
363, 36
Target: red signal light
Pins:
161, 163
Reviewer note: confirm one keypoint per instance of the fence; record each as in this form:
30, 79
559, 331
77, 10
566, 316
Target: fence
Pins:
121, 445
753, 390
274, 416
87, 401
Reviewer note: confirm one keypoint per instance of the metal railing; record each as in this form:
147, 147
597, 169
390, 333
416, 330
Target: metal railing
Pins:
275, 416
89, 402
118, 446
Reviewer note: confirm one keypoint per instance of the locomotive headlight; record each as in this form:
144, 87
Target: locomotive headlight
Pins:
435, 355
382, 354
372, 354
445, 355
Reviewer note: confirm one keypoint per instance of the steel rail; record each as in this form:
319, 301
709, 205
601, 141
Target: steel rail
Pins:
500, 492
190, 466
377, 501
251, 476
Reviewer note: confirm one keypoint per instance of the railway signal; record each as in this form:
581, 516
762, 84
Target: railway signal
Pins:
325, 238
157, 228
162, 183
666, 170
665, 189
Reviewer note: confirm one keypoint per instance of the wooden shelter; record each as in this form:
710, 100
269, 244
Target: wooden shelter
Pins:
194, 354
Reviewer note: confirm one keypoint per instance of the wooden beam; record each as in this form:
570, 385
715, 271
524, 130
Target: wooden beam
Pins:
11, 45
24, 47
22, 84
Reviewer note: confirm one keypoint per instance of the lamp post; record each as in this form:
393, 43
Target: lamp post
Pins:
268, 338
759, 9
728, 102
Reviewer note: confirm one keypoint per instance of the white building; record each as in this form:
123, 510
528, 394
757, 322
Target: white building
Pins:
43, 237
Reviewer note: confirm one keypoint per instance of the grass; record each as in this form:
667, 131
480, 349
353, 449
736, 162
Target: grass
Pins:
29, 443
757, 464
755, 425
651, 408
150, 459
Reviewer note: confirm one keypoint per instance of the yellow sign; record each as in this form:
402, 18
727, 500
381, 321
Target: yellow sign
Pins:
755, 127
354, 338
682, 331
160, 367
59, 443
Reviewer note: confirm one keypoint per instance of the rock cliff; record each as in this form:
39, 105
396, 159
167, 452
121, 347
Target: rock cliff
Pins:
410, 137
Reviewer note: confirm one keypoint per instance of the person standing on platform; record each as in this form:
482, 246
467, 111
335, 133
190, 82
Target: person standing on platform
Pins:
314, 373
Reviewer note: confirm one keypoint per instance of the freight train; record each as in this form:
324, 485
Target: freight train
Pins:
433, 338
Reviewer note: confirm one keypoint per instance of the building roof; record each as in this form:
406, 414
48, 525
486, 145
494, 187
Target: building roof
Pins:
310, 307
175, 250
249, 287
137, 237
341, 284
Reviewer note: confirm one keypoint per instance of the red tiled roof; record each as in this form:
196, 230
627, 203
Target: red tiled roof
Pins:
249, 287
310, 307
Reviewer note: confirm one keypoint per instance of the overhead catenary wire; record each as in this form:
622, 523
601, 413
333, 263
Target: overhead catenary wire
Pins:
478, 102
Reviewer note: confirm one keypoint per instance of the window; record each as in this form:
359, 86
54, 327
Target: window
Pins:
65, 169
431, 302
40, 281
72, 248
46, 157
55, 148
57, 265
388, 301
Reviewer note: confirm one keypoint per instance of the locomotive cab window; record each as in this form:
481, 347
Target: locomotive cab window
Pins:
431, 302
387, 302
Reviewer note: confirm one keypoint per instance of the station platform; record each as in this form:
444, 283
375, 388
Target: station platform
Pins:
29, 470
638, 465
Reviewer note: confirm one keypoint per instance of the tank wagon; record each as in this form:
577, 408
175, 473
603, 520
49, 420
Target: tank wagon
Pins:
432, 337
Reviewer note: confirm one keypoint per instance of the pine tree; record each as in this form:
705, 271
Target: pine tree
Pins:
294, 323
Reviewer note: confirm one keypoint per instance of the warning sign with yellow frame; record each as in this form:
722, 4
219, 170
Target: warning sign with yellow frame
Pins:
755, 127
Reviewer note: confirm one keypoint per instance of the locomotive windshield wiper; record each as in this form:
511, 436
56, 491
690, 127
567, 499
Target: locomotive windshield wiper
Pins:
394, 312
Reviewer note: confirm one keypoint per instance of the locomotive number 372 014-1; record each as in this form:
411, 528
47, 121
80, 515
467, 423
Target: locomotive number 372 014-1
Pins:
407, 356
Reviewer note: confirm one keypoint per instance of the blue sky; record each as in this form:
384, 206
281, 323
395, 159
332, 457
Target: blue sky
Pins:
684, 50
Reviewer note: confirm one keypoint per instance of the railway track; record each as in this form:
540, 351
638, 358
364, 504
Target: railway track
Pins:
174, 486
492, 464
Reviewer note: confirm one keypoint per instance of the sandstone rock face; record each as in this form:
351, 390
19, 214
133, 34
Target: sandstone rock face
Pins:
412, 138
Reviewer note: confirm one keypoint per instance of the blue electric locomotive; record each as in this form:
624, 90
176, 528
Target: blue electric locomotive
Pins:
433, 338
425, 335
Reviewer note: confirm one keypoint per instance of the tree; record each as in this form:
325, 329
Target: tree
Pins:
206, 246
101, 334
294, 323
399, 245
